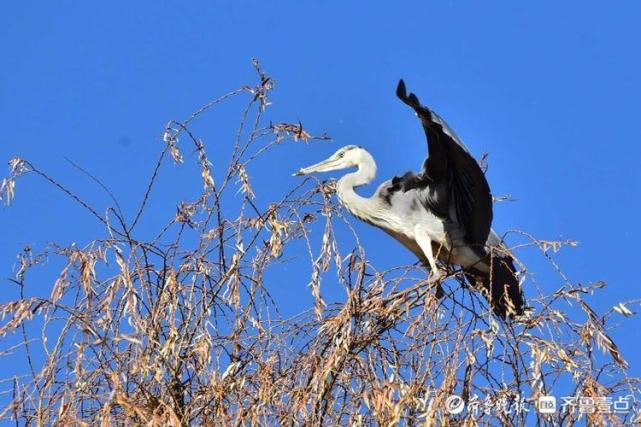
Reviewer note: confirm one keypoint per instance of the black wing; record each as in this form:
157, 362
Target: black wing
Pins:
501, 285
450, 167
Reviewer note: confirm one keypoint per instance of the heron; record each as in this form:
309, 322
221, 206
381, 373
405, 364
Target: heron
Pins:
443, 213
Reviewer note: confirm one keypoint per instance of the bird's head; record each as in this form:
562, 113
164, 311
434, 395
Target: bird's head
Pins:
345, 157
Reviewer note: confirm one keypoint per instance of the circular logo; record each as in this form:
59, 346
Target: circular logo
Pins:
454, 404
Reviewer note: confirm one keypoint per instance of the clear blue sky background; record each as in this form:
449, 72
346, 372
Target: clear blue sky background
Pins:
550, 90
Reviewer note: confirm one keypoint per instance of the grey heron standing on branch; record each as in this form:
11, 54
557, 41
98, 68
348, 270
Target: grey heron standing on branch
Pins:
442, 213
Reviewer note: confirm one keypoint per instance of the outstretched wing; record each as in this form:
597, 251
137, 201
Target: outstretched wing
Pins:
452, 169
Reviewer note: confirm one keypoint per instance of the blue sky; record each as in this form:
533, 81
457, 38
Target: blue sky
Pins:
551, 91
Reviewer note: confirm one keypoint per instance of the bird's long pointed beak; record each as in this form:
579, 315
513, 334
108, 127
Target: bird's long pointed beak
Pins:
324, 166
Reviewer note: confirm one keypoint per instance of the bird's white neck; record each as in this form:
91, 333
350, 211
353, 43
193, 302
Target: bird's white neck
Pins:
360, 207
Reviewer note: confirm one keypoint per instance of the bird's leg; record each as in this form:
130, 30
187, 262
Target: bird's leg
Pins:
425, 243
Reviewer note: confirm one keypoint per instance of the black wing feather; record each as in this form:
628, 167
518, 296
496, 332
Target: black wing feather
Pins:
449, 162
504, 290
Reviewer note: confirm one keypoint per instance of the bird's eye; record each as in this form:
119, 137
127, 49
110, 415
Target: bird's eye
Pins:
341, 155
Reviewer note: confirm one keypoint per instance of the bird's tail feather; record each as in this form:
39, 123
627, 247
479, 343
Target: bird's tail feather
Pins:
501, 286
